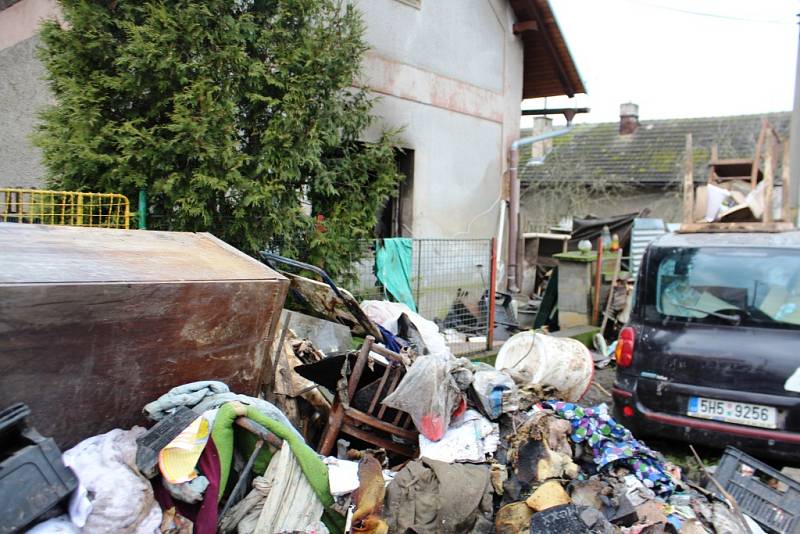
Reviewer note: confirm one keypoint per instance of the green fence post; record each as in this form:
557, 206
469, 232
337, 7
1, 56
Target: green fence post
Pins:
142, 210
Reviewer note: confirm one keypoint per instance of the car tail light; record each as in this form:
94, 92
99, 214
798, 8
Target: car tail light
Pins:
624, 352
627, 411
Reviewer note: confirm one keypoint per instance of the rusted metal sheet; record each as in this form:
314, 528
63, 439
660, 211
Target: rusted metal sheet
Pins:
95, 323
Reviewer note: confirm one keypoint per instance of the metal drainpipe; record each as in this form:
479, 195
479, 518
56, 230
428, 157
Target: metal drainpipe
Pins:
513, 208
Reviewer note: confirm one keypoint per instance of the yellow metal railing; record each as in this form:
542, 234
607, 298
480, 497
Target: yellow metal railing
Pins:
66, 208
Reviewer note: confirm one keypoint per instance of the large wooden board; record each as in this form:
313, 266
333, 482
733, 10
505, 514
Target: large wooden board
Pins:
96, 323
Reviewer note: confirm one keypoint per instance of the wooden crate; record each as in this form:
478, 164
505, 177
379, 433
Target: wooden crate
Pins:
95, 323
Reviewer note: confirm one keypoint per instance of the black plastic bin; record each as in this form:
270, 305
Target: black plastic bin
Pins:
33, 478
751, 482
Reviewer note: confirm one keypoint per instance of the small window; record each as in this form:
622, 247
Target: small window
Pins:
412, 3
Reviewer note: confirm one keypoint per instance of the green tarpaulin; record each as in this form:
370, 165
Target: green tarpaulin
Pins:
393, 268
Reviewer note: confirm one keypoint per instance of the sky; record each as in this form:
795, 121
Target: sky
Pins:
679, 58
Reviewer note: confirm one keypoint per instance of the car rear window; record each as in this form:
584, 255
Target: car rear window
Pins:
741, 286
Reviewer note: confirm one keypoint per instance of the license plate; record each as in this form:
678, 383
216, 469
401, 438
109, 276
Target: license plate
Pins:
733, 412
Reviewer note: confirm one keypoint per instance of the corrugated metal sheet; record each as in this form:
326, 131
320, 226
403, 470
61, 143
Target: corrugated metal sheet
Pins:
645, 231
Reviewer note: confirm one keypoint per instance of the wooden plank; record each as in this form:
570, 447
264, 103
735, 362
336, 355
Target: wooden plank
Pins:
769, 169
786, 182
688, 182
388, 444
711, 173
752, 227
360, 417
525, 26
757, 158
607, 312
38, 253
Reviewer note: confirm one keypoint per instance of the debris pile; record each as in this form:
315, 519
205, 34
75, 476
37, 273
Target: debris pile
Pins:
399, 436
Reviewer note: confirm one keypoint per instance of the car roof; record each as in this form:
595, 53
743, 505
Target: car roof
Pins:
789, 239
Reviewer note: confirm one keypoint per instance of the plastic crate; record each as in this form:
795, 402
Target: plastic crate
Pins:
33, 478
745, 478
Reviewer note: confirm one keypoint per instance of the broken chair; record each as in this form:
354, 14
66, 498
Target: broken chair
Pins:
374, 423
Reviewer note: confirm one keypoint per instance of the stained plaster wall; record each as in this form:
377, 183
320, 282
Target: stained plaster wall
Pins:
22, 91
452, 79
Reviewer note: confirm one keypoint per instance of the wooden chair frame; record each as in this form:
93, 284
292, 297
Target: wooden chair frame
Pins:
351, 421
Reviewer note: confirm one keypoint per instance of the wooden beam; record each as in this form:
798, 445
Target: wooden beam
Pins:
551, 51
553, 111
688, 182
525, 26
769, 169
786, 211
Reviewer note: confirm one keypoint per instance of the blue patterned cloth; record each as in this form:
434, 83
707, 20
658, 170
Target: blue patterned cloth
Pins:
613, 443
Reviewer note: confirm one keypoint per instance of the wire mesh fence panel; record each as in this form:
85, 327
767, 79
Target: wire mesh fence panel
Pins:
451, 288
65, 208
450, 285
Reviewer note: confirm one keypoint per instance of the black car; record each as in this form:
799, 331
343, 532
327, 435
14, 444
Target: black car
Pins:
711, 353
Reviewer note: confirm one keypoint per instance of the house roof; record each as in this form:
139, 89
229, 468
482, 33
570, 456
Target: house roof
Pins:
653, 154
548, 66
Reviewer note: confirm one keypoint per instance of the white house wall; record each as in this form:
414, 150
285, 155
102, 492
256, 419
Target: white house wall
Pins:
449, 73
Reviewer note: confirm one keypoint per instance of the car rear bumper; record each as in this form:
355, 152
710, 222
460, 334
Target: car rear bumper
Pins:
758, 441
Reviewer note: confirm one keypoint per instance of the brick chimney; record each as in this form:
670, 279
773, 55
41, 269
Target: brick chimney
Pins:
541, 125
628, 118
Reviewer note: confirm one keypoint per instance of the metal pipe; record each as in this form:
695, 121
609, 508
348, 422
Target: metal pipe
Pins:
498, 255
513, 208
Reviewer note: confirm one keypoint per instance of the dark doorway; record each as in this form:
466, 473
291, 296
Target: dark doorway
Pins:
394, 218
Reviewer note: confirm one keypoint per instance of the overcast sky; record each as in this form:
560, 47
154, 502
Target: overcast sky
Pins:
727, 57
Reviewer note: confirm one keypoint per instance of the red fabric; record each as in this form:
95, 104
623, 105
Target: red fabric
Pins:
204, 514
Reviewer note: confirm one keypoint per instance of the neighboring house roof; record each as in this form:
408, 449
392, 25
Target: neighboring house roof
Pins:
548, 66
653, 154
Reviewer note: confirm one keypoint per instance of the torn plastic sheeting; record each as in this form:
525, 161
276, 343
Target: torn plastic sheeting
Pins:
429, 393
469, 439
546, 361
387, 315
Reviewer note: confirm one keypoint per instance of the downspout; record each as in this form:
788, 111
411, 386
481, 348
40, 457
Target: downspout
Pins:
513, 208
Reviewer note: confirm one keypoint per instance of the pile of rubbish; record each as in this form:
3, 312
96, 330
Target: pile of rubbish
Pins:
397, 437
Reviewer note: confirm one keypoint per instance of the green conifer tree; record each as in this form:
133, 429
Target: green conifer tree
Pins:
230, 113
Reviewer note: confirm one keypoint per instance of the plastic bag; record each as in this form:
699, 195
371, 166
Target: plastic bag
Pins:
429, 393
494, 389
387, 314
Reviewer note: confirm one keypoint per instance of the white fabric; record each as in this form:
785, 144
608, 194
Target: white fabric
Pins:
121, 498
291, 504
547, 361
342, 476
281, 500
386, 314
